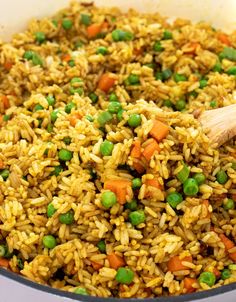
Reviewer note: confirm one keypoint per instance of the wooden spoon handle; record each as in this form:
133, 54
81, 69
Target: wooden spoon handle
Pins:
220, 124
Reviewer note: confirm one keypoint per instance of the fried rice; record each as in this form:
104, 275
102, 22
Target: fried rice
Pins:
81, 94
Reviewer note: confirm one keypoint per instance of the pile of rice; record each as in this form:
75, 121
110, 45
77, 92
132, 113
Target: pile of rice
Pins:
30, 142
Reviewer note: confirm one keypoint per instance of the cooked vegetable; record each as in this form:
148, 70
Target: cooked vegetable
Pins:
108, 199
137, 217
115, 261
200, 178
136, 183
124, 275
101, 246
49, 241
228, 204
104, 117
174, 199
228, 245
190, 187
106, 82
67, 218
65, 155
119, 187
150, 149
159, 130
67, 24
208, 278
121, 35
175, 264
188, 284
222, 177
51, 210
134, 120
183, 173
40, 37
114, 107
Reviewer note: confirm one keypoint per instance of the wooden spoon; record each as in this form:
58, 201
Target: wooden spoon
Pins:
220, 124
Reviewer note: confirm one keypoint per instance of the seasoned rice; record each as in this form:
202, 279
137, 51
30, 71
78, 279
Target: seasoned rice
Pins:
30, 141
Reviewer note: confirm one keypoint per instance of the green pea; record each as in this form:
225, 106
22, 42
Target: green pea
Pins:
49, 128
69, 107
57, 170
133, 79
40, 37
106, 148
55, 23
120, 115
108, 199
114, 107
158, 47
2, 250
180, 105
51, 100
167, 35
131, 205
225, 274
136, 183
221, 177
28, 55
113, 97
208, 278
37, 60
231, 70
71, 63
217, 67
104, 117
168, 103
102, 50
6, 117
229, 204
85, 19
150, 65
81, 291
38, 107
202, 83
166, 74
183, 173
8, 254
49, 241
67, 218
137, 217
190, 187
174, 199
159, 76
65, 155
193, 93
124, 275
67, 24
5, 174
89, 118
179, 77
93, 97
78, 90
134, 120
200, 178
20, 264
213, 104
54, 115
233, 165
121, 35
50, 210
101, 246
75, 82
79, 44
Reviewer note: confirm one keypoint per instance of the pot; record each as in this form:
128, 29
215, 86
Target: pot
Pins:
14, 15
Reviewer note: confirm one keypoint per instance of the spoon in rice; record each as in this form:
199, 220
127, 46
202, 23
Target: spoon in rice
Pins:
220, 124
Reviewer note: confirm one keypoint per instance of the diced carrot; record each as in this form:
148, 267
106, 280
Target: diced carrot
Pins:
106, 81
138, 167
1, 164
73, 118
105, 25
4, 262
176, 264
206, 203
5, 101
66, 57
223, 38
228, 245
234, 197
115, 261
122, 288
136, 150
188, 284
7, 65
216, 272
150, 149
96, 266
153, 183
119, 187
191, 47
138, 51
93, 30
159, 130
